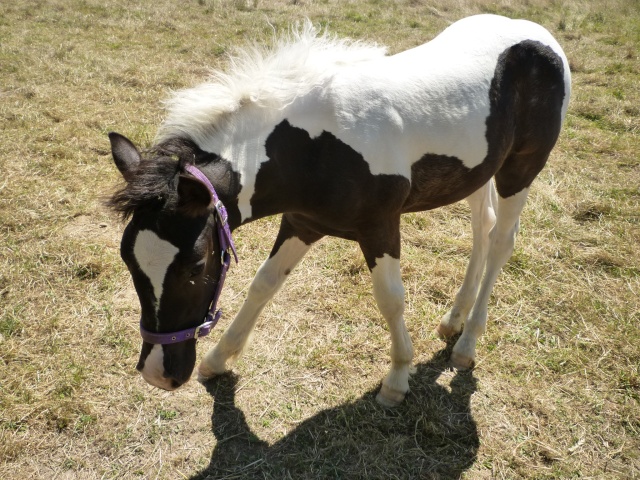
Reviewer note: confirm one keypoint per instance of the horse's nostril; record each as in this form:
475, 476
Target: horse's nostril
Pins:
174, 381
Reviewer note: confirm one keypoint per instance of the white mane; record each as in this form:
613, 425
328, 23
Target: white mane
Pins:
266, 77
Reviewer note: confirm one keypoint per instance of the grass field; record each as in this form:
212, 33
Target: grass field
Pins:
556, 391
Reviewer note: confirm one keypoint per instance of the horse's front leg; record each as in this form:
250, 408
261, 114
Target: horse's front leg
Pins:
287, 251
388, 292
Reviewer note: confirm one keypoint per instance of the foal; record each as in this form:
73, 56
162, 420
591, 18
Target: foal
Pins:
341, 139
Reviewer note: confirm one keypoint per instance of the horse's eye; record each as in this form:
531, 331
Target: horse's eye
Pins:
197, 270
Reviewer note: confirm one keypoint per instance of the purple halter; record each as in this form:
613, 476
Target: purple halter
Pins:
226, 245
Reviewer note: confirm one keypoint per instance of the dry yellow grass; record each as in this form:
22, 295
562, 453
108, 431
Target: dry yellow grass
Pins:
557, 388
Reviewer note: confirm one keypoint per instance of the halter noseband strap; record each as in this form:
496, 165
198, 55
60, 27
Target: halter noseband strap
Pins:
227, 247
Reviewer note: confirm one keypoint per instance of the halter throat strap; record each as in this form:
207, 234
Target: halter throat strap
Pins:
227, 248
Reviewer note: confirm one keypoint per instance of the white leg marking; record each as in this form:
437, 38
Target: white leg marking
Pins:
154, 255
483, 219
268, 280
154, 369
389, 294
503, 238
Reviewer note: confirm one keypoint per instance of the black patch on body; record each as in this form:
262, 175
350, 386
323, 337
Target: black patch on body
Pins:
526, 96
527, 93
325, 187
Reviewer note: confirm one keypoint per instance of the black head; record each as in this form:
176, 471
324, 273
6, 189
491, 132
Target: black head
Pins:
172, 251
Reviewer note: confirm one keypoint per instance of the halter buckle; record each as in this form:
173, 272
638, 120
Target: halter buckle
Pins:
196, 334
219, 206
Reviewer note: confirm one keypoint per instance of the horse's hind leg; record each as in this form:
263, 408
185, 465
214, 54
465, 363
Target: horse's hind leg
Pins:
483, 218
290, 246
503, 239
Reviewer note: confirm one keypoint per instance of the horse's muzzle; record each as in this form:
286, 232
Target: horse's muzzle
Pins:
152, 368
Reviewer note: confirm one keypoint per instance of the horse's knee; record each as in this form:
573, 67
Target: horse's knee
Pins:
264, 285
392, 308
387, 287
389, 297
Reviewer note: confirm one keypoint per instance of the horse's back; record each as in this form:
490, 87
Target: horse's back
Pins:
433, 101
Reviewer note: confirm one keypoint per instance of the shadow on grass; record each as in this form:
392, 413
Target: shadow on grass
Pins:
431, 435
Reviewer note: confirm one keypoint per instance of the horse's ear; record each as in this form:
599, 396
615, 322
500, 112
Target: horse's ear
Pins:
125, 155
194, 198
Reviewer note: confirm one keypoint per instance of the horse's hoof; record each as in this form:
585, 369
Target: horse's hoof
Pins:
445, 332
389, 398
206, 373
461, 362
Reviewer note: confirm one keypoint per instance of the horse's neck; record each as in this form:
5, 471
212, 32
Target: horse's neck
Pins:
234, 178
244, 154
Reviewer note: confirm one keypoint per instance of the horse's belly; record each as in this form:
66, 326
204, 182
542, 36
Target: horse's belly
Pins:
438, 180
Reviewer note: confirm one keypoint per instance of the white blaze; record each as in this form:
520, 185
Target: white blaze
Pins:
154, 255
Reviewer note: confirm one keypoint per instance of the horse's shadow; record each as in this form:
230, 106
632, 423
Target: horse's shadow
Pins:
431, 435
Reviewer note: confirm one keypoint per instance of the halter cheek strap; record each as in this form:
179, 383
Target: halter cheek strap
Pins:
227, 247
